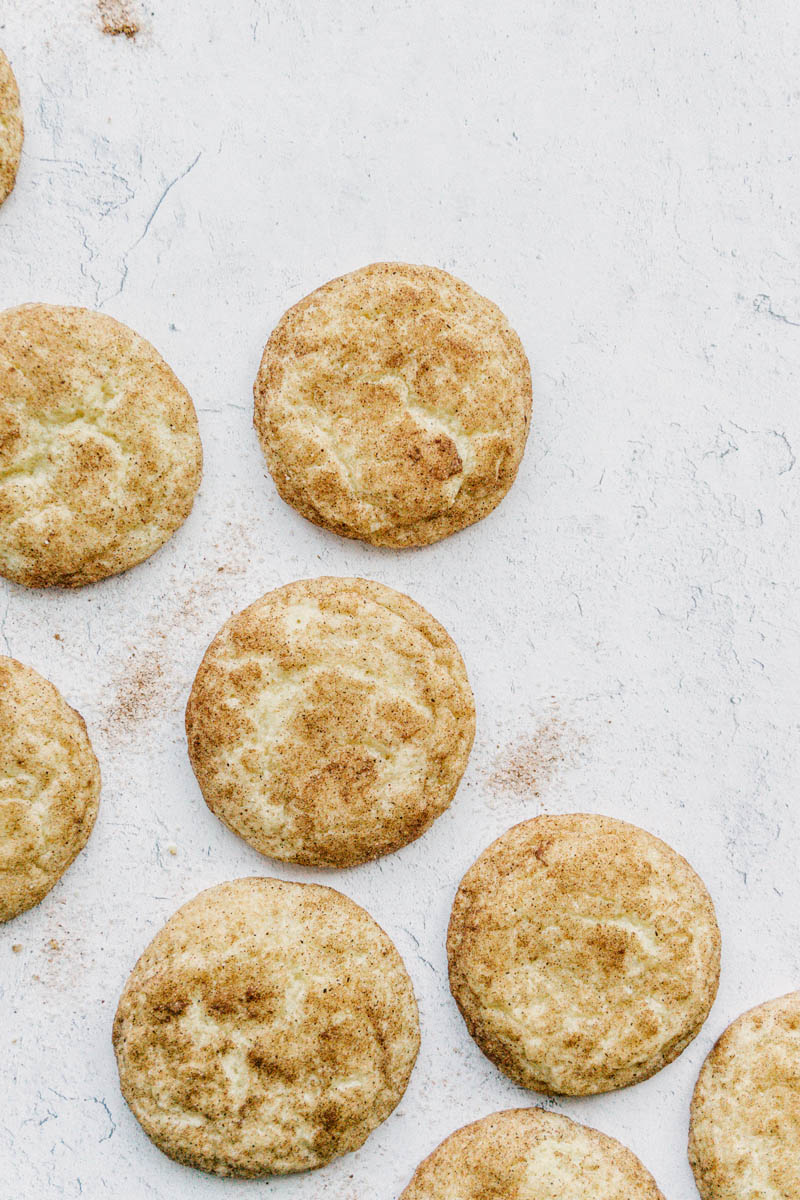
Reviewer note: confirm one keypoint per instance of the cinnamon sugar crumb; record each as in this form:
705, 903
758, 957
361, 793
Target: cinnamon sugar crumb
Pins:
117, 19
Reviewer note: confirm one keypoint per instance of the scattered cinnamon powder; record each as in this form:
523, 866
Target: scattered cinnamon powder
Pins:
526, 766
140, 694
148, 686
116, 18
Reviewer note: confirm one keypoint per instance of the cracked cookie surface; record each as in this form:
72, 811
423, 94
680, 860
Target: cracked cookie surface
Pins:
744, 1141
100, 454
583, 952
49, 787
393, 405
530, 1154
330, 722
268, 1028
11, 130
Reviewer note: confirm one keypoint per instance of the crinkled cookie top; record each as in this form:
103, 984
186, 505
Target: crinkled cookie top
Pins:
745, 1128
100, 454
529, 1154
330, 722
393, 405
584, 953
11, 130
268, 1028
49, 787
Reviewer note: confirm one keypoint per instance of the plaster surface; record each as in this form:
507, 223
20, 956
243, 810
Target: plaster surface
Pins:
623, 180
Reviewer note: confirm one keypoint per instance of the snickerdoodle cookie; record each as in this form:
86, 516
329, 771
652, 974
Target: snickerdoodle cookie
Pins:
529, 1154
11, 132
744, 1142
393, 405
49, 787
330, 722
584, 953
100, 455
268, 1028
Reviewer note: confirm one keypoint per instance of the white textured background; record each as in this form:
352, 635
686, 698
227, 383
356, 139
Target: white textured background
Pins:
623, 179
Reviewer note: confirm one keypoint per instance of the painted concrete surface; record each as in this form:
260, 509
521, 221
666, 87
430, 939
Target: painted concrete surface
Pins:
623, 180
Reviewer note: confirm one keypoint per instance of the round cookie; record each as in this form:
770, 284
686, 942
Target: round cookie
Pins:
100, 455
393, 404
268, 1028
11, 131
49, 787
330, 722
583, 953
744, 1141
529, 1154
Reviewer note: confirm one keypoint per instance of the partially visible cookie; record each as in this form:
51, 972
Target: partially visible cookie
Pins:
744, 1140
11, 131
268, 1028
49, 787
330, 722
100, 454
393, 405
529, 1154
583, 952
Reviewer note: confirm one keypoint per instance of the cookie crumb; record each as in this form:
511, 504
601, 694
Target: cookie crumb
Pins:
54, 945
117, 19
17, 947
